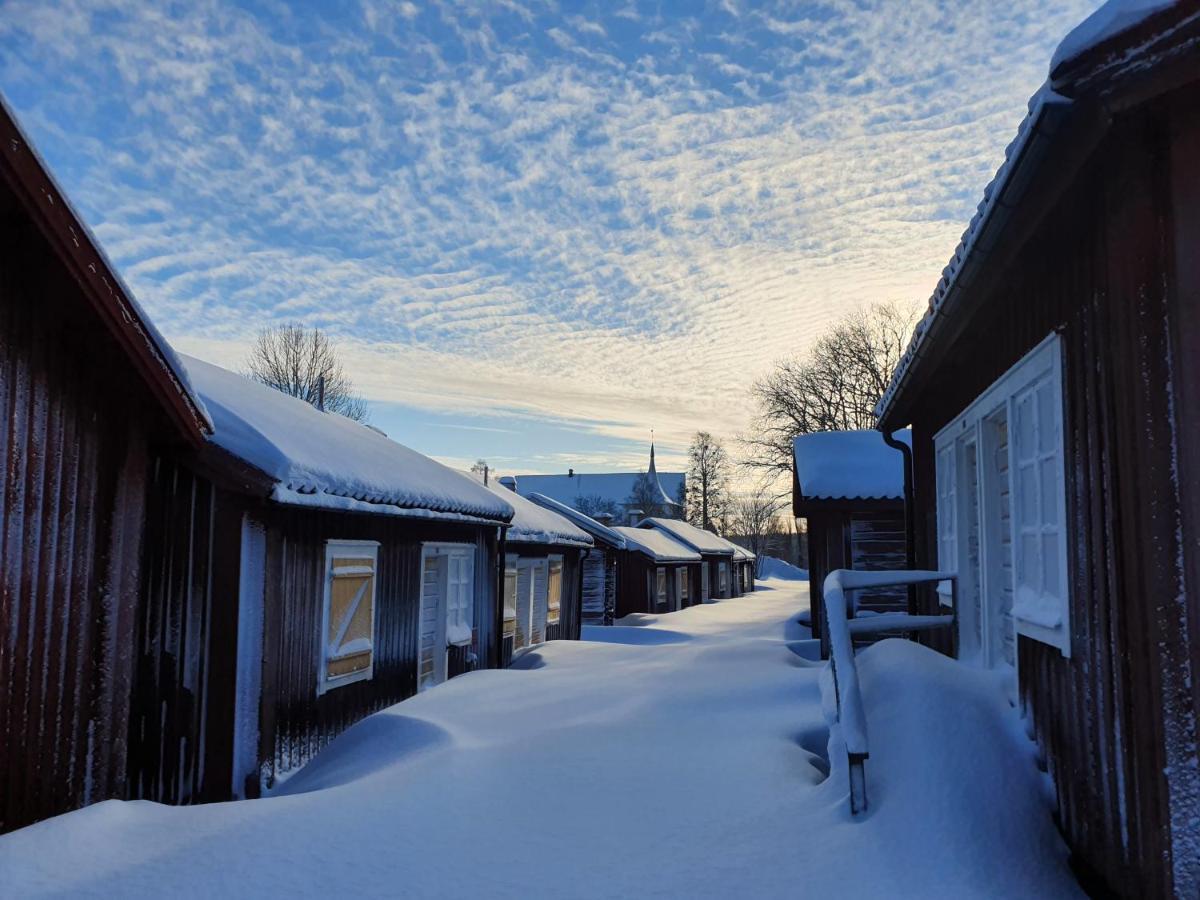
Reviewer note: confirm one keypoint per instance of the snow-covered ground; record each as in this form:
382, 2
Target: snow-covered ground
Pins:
677, 756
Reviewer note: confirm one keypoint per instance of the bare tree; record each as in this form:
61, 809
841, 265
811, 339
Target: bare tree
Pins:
834, 387
755, 517
304, 363
707, 480
596, 506
481, 469
647, 495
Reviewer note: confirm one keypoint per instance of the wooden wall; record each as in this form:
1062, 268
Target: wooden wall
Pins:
74, 430
1118, 715
295, 723
869, 537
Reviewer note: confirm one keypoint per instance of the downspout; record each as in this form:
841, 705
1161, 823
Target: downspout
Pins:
910, 544
587, 551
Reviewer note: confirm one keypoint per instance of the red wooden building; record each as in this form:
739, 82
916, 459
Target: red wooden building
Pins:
1052, 390
89, 395
849, 488
656, 573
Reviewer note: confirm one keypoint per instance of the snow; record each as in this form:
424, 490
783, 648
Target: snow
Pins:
457, 634
688, 767
596, 529
1031, 607
534, 524
696, 538
773, 567
329, 461
842, 465
658, 545
1103, 25
614, 487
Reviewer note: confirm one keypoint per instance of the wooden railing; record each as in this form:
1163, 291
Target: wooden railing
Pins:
840, 625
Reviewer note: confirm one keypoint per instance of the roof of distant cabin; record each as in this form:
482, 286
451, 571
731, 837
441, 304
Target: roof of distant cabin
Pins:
849, 465
1123, 39
598, 530
614, 487
106, 293
329, 461
658, 545
533, 523
697, 538
741, 552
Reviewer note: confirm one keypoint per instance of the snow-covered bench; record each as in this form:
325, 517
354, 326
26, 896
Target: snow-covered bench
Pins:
840, 625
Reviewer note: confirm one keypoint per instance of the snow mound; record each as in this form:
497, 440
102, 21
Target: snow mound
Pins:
773, 567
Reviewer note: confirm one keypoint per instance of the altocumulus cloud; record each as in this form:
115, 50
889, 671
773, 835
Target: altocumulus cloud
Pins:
608, 215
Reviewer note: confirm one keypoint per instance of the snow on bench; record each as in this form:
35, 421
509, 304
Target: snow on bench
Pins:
847, 692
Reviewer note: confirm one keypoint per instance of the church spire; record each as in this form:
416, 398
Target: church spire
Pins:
652, 471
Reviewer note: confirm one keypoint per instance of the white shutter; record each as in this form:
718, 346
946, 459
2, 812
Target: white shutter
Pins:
660, 588
683, 586
705, 588
554, 591
595, 576
537, 633
1041, 606
947, 515
431, 656
510, 595
524, 604
460, 597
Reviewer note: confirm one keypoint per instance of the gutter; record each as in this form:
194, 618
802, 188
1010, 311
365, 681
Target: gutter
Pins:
910, 543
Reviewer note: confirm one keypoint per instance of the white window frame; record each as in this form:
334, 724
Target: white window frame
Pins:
448, 549
510, 569
660, 588
1041, 363
682, 582
351, 549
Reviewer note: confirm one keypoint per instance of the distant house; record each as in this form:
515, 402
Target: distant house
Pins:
717, 573
849, 487
90, 394
623, 496
600, 564
743, 567
658, 574
543, 575
301, 572
1053, 390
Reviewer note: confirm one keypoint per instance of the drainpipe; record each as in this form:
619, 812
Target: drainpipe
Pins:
910, 545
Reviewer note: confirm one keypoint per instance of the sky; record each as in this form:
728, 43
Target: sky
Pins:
537, 230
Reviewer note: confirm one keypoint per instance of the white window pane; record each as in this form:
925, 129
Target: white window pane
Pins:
1050, 491
1046, 418
1027, 497
1023, 408
1028, 570
1051, 575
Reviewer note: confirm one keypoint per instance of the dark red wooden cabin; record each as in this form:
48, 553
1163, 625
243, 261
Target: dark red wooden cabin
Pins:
1053, 390
656, 573
848, 486
89, 394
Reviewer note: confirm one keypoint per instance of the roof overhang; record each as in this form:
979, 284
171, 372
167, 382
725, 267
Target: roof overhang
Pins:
24, 173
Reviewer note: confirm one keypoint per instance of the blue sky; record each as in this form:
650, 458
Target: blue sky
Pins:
538, 230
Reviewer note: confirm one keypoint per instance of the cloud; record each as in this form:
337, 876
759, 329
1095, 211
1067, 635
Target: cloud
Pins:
615, 221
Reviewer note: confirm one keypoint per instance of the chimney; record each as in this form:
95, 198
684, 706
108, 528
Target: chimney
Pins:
485, 473
604, 518
635, 516
321, 393
570, 473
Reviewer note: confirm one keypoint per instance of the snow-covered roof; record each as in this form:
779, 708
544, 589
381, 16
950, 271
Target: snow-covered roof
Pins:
1105, 25
658, 545
587, 523
329, 461
696, 538
613, 487
133, 329
535, 524
845, 465
740, 552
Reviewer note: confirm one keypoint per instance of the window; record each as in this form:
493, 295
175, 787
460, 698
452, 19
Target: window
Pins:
510, 596
1001, 505
723, 578
348, 617
554, 592
683, 585
447, 608
660, 590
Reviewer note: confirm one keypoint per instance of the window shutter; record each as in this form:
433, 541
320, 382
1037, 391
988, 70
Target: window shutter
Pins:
1039, 502
660, 589
683, 585
460, 590
349, 614
705, 591
947, 515
510, 596
430, 642
524, 605
554, 591
541, 589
